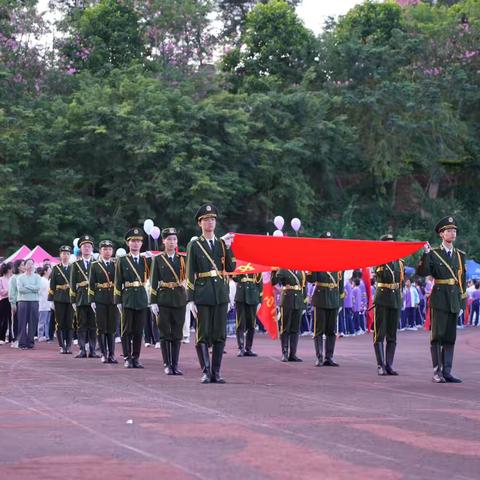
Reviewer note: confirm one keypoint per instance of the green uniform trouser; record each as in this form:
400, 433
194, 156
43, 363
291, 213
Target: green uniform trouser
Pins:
385, 324
212, 324
170, 322
324, 321
132, 324
63, 316
443, 327
290, 320
85, 319
246, 317
106, 315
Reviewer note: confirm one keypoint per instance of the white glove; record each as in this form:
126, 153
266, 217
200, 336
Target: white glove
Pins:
193, 309
259, 306
74, 306
148, 254
94, 307
50, 305
460, 313
427, 247
120, 308
228, 239
154, 309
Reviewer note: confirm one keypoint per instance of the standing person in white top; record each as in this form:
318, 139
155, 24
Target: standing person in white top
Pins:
44, 305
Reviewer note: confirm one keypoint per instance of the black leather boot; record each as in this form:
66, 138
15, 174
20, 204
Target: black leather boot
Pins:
136, 348
249, 342
175, 352
204, 360
92, 344
217, 354
240, 343
61, 341
329, 349
378, 347
127, 351
390, 354
82, 340
447, 353
102, 341
110, 340
284, 343
436, 353
165, 346
68, 341
293, 337
318, 342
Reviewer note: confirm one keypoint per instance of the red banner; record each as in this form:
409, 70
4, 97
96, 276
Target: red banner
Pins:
267, 314
249, 267
319, 254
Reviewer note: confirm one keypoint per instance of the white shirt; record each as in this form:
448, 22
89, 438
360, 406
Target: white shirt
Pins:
43, 303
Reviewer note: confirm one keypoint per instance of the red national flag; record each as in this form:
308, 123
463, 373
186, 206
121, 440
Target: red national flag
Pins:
368, 289
267, 314
319, 254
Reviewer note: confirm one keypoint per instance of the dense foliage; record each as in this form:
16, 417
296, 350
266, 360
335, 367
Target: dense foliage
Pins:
143, 109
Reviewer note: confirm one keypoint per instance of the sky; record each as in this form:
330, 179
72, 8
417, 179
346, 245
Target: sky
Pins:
312, 12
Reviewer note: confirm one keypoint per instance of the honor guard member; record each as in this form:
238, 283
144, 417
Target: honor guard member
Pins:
131, 276
102, 275
292, 304
59, 293
327, 299
86, 326
208, 261
446, 264
169, 299
247, 300
387, 308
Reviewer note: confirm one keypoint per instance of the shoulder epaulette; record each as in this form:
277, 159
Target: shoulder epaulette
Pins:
181, 254
461, 251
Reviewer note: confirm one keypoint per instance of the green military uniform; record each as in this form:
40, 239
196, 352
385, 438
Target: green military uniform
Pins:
388, 305
208, 287
169, 293
447, 299
102, 275
247, 298
86, 326
292, 305
131, 277
326, 301
59, 294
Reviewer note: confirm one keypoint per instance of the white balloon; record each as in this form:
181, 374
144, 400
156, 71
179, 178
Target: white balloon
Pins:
278, 233
121, 252
75, 242
296, 224
148, 225
279, 222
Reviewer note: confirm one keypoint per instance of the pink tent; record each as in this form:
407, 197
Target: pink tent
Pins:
20, 254
38, 254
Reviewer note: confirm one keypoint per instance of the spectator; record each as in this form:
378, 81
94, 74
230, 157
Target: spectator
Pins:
476, 305
18, 269
410, 301
348, 308
358, 307
44, 304
28, 288
6, 272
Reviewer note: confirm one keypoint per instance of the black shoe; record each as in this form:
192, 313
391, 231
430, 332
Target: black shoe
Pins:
205, 378
217, 353
319, 362
128, 363
104, 359
451, 379
62, 351
82, 354
294, 358
250, 353
93, 355
112, 359
390, 370
241, 353
137, 364
438, 378
284, 357
168, 370
330, 363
